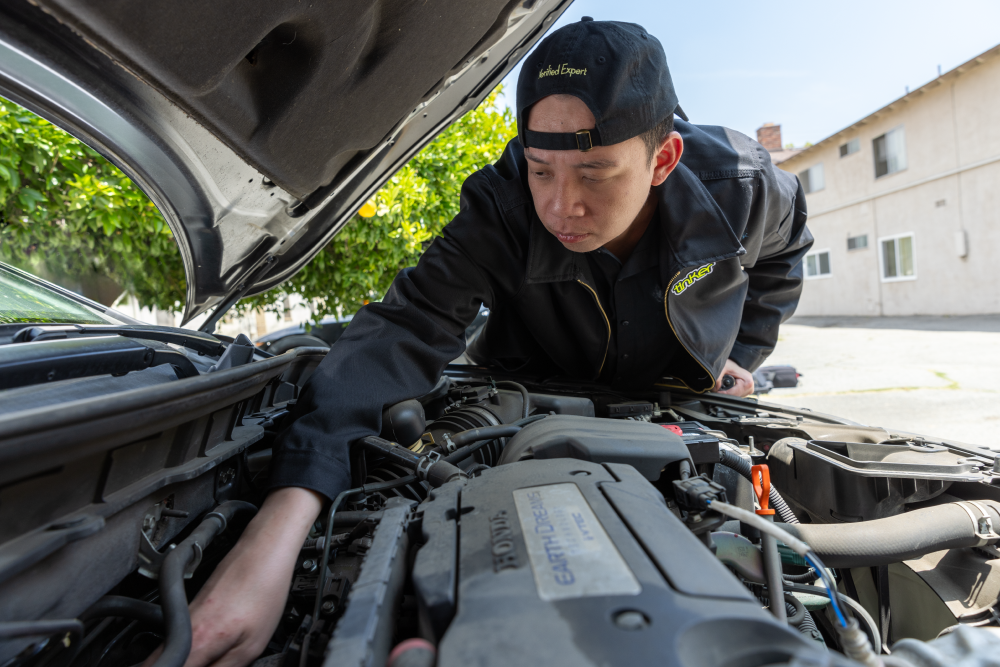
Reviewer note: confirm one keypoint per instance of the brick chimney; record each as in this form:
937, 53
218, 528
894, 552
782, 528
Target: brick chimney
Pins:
769, 136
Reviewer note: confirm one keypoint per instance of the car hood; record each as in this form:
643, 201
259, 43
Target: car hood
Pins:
258, 129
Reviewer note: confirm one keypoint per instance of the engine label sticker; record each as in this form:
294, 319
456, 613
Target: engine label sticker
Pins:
570, 553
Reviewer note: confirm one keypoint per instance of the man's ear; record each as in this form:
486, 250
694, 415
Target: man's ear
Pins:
667, 158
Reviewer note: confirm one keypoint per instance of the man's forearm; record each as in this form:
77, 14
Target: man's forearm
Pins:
285, 518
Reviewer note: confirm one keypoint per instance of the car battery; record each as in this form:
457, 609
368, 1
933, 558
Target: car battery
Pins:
704, 446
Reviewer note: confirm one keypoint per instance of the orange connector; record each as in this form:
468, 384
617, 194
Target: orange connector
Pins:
761, 480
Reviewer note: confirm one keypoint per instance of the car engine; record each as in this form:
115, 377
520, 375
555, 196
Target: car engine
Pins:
505, 522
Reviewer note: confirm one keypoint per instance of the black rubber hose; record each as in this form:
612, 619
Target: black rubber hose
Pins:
485, 433
772, 574
525, 401
898, 538
392, 451
795, 610
122, 607
804, 578
731, 459
41, 628
176, 617
436, 473
476, 438
808, 627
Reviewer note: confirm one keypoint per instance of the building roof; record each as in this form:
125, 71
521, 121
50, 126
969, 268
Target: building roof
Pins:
891, 106
777, 157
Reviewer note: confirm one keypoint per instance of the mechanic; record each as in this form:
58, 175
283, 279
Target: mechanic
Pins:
609, 245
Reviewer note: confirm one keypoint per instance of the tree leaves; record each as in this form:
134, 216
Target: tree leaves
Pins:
67, 210
360, 263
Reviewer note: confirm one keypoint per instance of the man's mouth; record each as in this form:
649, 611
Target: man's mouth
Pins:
571, 238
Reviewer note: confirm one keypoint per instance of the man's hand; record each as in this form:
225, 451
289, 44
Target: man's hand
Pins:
744, 380
238, 609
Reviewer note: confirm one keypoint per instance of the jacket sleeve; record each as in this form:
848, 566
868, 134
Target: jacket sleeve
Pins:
775, 279
395, 349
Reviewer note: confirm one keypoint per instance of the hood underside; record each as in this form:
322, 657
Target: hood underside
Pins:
259, 128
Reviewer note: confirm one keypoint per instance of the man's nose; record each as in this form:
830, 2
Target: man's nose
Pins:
566, 201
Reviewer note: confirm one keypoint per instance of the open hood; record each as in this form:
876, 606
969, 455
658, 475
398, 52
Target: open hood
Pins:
258, 129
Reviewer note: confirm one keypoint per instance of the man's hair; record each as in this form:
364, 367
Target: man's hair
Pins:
655, 137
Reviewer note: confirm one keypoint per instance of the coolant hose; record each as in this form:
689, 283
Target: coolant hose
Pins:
119, 606
772, 574
484, 434
525, 399
898, 538
435, 471
731, 459
176, 617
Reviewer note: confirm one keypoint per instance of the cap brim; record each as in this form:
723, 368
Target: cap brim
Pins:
680, 112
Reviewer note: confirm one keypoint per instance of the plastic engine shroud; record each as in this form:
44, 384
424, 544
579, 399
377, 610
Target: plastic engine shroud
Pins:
613, 578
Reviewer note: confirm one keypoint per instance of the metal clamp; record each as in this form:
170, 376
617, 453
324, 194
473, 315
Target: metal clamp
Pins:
449, 445
983, 525
425, 464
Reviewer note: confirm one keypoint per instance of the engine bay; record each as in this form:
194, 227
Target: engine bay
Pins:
497, 522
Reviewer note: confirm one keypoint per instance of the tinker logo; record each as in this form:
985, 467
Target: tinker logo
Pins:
692, 278
563, 69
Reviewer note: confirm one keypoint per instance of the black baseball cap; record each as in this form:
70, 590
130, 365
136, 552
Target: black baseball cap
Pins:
617, 69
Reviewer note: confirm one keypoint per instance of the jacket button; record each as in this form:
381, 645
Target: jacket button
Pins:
624, 323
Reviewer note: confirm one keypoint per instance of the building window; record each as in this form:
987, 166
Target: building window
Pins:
812, 178
818, 264
890, 152
857, 242
896, 257
851, 147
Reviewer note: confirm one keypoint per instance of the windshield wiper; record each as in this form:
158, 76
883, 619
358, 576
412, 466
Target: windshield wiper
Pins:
71, 358
193, 340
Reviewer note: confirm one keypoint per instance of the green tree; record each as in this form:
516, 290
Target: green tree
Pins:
411, 208
66, 209
68, 212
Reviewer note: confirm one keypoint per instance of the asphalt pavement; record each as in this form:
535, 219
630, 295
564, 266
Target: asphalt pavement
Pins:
937, 376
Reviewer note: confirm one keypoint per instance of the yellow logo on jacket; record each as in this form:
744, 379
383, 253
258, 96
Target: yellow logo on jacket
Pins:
562, 70
692, 278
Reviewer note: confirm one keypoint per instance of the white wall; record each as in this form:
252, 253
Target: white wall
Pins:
951, 184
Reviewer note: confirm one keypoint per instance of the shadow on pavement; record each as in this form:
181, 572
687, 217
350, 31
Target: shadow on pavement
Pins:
985, 323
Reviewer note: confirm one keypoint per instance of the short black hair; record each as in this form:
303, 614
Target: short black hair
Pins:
655, 137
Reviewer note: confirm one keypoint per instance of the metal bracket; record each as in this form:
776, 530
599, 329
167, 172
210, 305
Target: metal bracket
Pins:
150, 560
449, 446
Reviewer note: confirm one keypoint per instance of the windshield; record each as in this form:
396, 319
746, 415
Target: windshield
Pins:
23, 301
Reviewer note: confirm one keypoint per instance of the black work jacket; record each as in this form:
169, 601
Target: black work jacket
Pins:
727, 271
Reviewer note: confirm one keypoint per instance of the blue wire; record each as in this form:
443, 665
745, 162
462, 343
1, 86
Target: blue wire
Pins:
813, 560
818, 566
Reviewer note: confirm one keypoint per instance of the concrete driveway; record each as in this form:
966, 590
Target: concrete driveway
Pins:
937, 376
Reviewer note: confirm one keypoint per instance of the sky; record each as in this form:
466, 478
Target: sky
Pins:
812, 67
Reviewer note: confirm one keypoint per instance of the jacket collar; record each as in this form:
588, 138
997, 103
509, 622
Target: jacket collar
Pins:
693, 231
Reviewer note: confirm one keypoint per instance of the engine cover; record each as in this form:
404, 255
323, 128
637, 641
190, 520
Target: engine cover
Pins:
565, 562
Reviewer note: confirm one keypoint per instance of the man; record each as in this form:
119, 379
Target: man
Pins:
609, 247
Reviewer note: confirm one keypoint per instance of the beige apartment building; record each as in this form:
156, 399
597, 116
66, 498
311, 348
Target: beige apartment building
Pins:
905, 203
